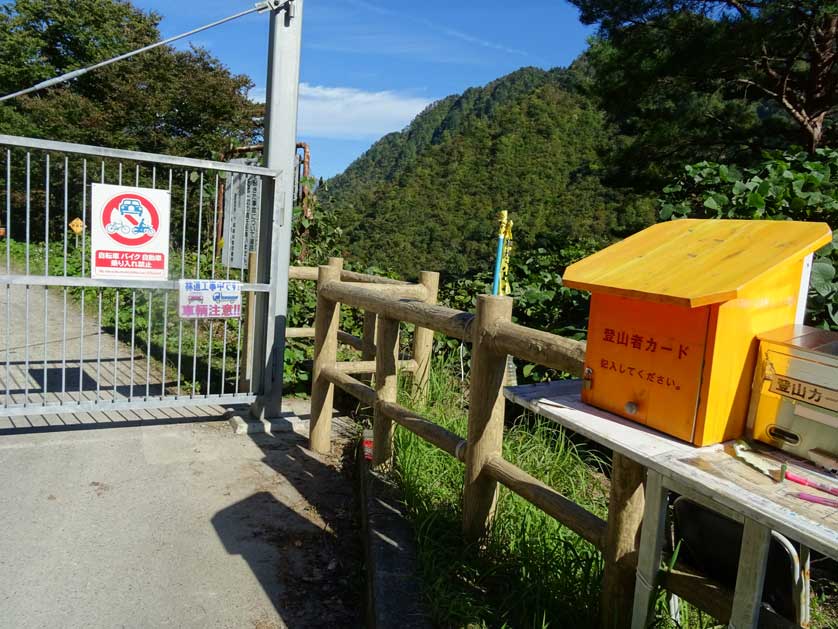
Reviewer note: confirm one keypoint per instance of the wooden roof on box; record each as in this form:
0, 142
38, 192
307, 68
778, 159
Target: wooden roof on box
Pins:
695, 262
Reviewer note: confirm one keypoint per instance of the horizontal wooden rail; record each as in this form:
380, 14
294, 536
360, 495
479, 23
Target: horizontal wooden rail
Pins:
343, 337
433, 433
352, 276
351, 340
368, 366
394, 291
310, 273
299, 333
451, 322
713, 598
302, 273
353, 387
576, 518
538, 347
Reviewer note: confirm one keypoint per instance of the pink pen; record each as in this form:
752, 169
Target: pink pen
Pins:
817, 500
810, 483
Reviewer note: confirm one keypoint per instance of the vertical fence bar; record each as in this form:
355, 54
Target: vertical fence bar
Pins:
182, 271
116, 344
64, 316
148, 346
197, 276
326, 323
226, 325
83, 263
212, 276
8, 271
387, 388
46, 274
251, 277
99, 348
133, 342
165, 321
485, 417
423, 341
26, 324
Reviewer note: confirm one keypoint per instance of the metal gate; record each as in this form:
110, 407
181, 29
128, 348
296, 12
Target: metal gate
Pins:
71, 343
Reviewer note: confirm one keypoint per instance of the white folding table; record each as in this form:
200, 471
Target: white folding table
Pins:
710, 476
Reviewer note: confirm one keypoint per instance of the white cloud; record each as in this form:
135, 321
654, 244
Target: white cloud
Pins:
348, 113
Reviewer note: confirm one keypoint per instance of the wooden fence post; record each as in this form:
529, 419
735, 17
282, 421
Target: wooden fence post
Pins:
625, 516
368, 353
423, 341
386, 387
485, 417
326, 324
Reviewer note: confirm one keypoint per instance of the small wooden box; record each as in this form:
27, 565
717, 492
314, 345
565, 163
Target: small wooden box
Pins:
675, 311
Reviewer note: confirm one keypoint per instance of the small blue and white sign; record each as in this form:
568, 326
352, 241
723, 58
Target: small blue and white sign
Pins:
210, 299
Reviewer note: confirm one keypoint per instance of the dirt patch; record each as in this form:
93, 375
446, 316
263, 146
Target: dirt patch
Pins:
321, 572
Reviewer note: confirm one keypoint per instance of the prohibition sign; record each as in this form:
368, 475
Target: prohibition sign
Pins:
130, 219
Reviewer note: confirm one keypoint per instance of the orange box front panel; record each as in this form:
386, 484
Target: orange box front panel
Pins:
647, 356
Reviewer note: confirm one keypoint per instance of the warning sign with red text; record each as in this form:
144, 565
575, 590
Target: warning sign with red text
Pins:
130, 233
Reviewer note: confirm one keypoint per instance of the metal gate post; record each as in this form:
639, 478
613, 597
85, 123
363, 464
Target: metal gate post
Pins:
277, 203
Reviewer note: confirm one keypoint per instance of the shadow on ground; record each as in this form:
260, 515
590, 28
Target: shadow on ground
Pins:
306, 518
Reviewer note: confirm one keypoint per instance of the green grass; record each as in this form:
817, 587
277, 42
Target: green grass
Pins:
531, 571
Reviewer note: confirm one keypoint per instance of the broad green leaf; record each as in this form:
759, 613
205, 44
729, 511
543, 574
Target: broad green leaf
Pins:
822, 275
756, 201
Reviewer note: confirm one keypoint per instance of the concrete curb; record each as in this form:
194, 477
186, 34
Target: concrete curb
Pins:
249, 426
394, 589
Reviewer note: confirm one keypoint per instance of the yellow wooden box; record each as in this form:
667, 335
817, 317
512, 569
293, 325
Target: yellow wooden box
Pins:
675, 310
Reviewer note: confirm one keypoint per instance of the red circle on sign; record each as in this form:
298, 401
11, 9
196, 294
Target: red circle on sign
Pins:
124, 219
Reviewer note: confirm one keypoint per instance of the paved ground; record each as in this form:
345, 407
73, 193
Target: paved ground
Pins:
175, 525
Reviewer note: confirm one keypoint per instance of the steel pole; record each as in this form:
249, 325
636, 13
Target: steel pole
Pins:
279, 151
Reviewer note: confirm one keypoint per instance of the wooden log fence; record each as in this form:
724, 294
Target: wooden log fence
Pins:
387, 303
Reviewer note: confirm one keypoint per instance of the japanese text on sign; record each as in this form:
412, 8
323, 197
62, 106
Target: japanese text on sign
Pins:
210, 299
129, 232
654, 377
641, 343
804, 392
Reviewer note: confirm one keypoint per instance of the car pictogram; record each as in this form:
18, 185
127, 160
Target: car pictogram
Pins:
131, 206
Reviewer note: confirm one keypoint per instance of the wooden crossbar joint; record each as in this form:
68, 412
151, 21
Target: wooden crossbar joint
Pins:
353, 387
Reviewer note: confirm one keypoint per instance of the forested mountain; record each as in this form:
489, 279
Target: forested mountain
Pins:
578, 156
427, 197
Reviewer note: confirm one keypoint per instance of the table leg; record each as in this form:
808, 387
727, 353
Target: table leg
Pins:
651, 545
750, 577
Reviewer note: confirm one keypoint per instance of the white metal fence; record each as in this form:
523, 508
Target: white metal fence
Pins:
71, 343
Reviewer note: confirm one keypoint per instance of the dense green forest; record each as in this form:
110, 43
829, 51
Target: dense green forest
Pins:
526, 142
167, 101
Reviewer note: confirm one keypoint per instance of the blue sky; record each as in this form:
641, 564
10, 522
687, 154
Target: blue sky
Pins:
368, 67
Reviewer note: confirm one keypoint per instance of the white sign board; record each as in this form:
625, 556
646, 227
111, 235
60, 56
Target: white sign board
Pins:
129, 233
242, 200
210, 299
